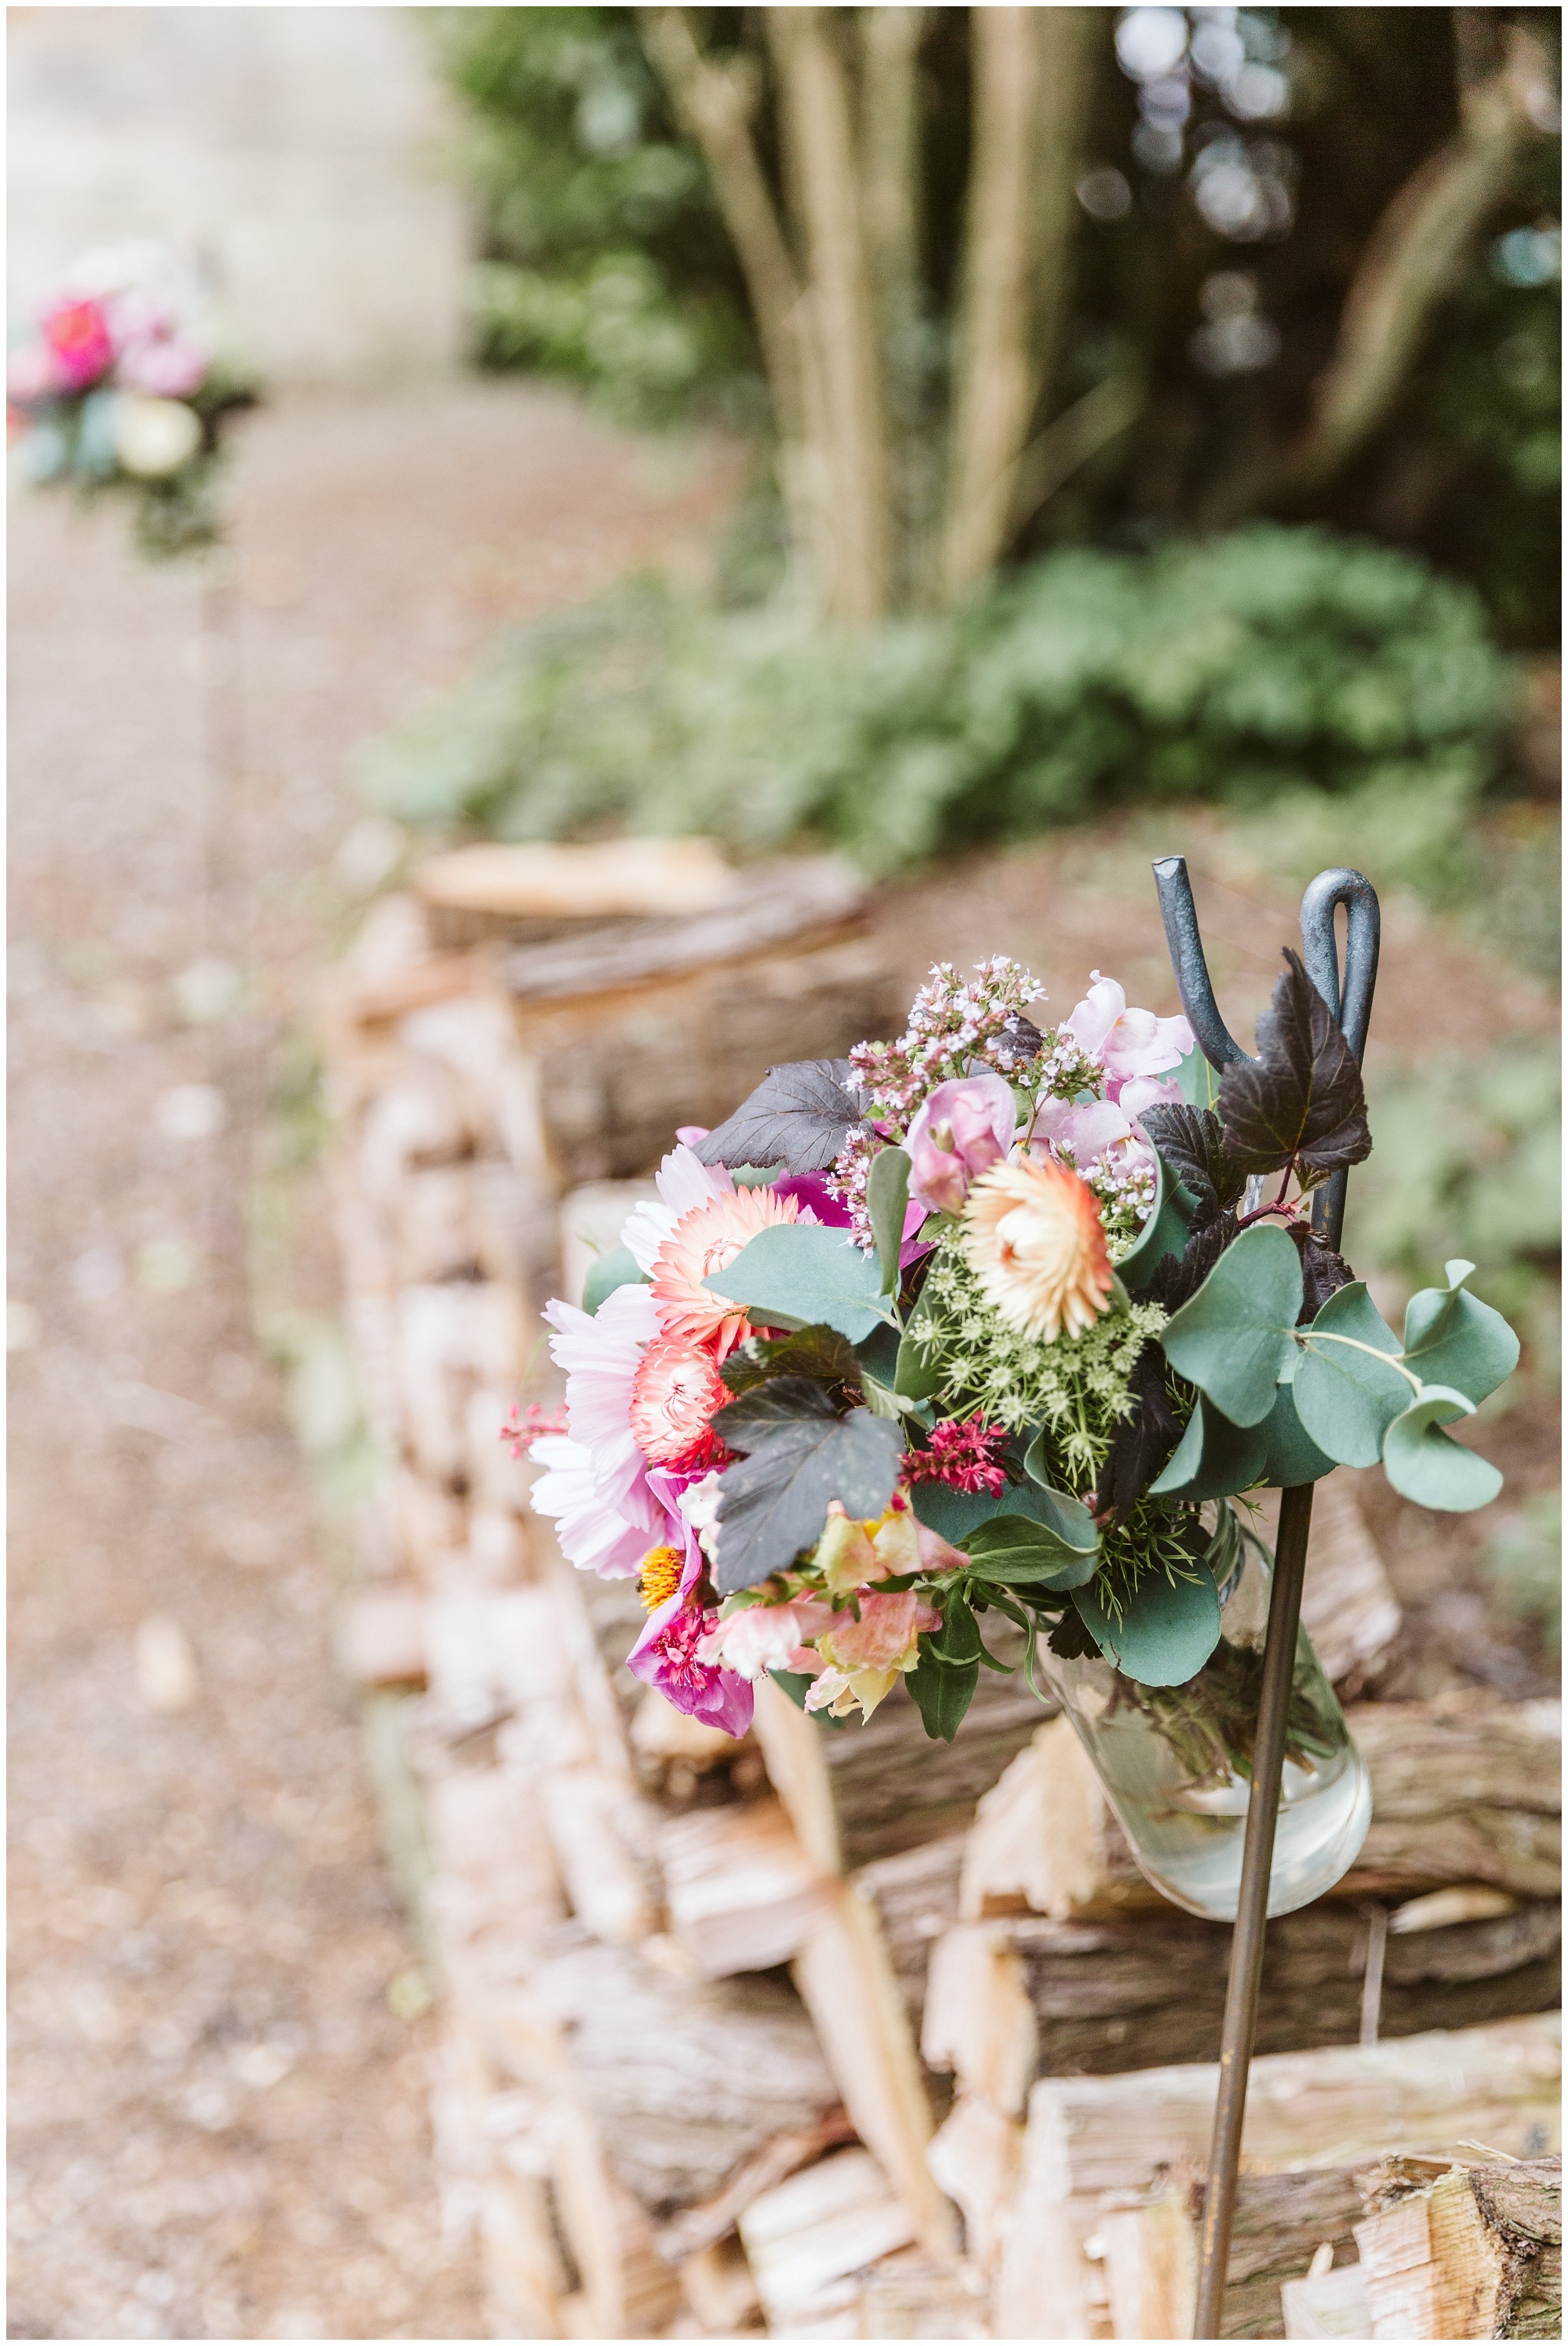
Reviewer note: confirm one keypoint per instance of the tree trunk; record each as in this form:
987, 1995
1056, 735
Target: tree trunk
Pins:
843, 398
891, 171
1409, 261
1033, 71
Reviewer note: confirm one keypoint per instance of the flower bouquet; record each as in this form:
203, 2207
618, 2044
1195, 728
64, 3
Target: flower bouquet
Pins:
113, 390
983, 1331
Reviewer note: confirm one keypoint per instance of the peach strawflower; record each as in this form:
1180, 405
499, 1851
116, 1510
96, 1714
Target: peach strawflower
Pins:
705, 1240
1034, 1239
675, 1393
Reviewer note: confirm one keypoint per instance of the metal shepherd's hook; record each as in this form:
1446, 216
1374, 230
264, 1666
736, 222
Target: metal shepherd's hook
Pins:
1350, 1000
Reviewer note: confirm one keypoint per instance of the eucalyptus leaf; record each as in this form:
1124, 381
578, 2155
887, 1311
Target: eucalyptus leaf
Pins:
1346, 1394
1423, 1464
1166, 1231
888, 1195
797, 1455
1293, 1457
617, 1268
796, 1274
1452, 1337
1215, 1458
1166, 1631
1234, 1338
1199, 1082
800, 1117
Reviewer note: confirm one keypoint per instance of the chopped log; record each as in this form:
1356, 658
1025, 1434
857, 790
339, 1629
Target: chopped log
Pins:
525, 2278
555, 886
1011, 2000
1283, 2224
719, 2286
1477, 2253
1331, 2304
379, 1637
600, 1834
592, 1220
976, 2157
700, 2227
850, 1989
451, 1340
910, 2295
1090, 2137
807, 2235
741, 1892
1465, 1788
916, 1898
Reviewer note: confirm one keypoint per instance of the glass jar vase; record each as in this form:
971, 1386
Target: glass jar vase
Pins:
1176, 1761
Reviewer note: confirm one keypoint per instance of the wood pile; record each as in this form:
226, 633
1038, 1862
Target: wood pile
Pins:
833, 2032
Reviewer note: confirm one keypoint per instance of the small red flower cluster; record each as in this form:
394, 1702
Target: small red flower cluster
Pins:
959, 1452
523, 1427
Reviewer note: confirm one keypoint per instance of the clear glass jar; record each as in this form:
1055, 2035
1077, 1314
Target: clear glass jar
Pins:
1176, 1761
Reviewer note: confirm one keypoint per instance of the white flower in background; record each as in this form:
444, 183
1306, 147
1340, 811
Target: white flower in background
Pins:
154, 437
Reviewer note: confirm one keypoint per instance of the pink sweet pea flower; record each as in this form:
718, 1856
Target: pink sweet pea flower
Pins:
1086, 1133
1125, 1042
963, 1126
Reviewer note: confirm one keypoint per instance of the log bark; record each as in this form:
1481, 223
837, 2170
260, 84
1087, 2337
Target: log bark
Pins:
1010, 2001
1465, 1788
741, 1892
1032, 73
812, 2232
1282, 2223
1091, 2137
1475, 2253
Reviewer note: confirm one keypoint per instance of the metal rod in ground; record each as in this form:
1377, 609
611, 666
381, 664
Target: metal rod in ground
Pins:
1252, 1909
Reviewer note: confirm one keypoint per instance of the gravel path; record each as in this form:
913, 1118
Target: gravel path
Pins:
219, 2119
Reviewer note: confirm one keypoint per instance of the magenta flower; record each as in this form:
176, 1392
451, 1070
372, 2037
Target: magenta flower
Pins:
78, 334
965, 1126
668, 1655
1125, 1042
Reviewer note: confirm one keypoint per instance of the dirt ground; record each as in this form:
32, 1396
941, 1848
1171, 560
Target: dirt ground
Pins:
218, 2123
219, 2063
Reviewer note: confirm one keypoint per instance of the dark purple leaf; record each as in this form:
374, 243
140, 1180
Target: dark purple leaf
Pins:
798, 1116
1192, 1142
1178, 1279
1143, 1441
798, 1455
1323, 1272
1301, 1099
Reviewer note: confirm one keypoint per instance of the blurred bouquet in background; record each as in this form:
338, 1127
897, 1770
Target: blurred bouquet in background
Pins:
115, 387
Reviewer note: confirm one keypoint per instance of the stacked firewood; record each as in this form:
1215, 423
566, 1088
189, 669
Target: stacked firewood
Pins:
836, 2031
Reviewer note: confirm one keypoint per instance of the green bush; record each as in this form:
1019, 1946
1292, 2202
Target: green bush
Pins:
603, 257
1468, 1162
1270, 666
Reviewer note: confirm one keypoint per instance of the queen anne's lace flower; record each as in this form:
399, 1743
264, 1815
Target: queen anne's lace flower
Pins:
1034, 1239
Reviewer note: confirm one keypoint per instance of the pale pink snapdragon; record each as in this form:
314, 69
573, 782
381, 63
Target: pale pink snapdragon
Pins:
769, 1637
964, 1125
1126, 1043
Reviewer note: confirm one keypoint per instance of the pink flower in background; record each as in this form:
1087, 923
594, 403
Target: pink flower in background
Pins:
1139, 1092
1086, 1132
165, 368
32, 374
1125, 1042
965, 1126
78, 333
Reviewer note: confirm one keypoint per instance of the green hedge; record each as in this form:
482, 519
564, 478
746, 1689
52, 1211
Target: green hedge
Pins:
1269, 664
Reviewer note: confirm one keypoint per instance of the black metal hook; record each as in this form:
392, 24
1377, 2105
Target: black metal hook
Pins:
1350, 1000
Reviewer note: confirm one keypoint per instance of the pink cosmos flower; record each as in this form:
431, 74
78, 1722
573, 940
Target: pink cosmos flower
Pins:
962, 1127
683, 1181
596, 1485
78, 334
1125, 1042
675, 1393
704, 1240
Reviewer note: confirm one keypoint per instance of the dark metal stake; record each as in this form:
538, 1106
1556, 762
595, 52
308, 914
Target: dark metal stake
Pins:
1353, 1010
